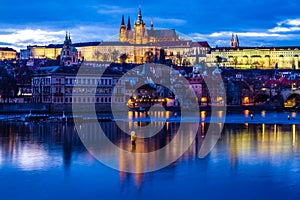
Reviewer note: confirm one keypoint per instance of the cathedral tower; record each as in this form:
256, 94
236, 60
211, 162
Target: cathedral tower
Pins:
123, 31
234, 42
140, 33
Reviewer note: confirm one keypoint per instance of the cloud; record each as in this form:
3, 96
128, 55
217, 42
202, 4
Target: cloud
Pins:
172, 21
245, 34
21, 38
5, 44
37, 35
251, 38
290, 22
288, 25
279, 29
110, 9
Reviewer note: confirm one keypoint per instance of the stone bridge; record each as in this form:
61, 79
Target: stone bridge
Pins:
286, 94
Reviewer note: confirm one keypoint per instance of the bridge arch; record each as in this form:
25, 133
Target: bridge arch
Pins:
292, 100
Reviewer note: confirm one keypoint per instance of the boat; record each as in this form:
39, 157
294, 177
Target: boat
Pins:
34, 117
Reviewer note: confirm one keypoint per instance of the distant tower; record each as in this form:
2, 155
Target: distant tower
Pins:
152, 25
236, 42
232, 41
69, 54
123, 31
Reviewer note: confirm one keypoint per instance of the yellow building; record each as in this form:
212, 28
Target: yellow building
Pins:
7, 53
254, 57
50, 51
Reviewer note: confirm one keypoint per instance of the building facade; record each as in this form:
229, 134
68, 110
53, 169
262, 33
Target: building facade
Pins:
55, 86
7, 53
254, 57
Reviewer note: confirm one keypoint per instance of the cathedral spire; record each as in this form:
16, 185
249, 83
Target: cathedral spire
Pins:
232, 41
140, 17
70, 41
236, 42
129, 24
152, 24
123, 21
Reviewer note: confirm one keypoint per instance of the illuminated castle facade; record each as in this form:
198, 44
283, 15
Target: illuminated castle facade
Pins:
136, 44
141, 35
278, 57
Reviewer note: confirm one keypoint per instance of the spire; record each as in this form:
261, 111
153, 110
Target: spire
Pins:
140, 13
237, 42
70, 41
123, 21
67, 39
232, 41
152, 24
140, 18
129, 24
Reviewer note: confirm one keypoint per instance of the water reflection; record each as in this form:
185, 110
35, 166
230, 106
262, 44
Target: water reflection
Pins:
30, 146
242, 148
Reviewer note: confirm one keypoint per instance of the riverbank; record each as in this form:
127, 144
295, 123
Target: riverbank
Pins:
238, 117
51, 109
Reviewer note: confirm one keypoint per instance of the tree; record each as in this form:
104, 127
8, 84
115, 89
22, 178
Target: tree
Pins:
114, 55
162, 57
150, 57
178, 59
123, 58
97, 55
218, 60
8, 88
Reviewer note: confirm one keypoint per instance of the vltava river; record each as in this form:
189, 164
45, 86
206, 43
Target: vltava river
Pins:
250, 161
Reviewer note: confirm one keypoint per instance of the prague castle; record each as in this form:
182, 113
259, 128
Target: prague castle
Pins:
137, 44
142, 35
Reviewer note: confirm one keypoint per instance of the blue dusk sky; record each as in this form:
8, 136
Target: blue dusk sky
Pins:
257, 23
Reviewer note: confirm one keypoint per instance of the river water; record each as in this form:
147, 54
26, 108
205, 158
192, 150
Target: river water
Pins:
250, 161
